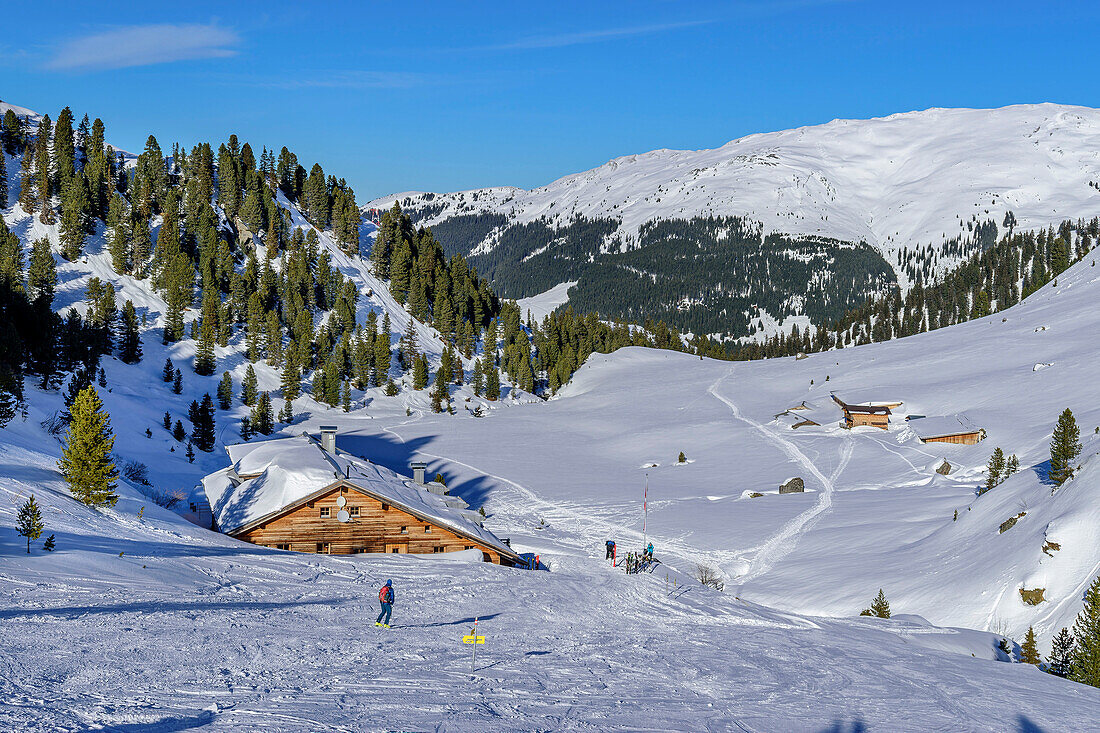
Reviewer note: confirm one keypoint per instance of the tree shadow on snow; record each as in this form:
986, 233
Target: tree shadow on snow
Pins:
146, 549
1026, 726
450, 623
386, 450
856, 726
74, 612
164, 725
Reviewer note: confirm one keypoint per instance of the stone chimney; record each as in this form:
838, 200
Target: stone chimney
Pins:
328, 439
418, 472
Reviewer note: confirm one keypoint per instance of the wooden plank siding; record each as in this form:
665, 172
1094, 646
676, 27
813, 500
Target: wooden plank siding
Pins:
374, 527
877, 420
972, 438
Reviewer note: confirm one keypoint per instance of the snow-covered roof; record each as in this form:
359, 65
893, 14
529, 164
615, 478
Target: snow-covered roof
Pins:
938, 427
287, 470
864, 398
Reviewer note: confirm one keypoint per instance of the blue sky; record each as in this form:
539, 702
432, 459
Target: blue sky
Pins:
446, 96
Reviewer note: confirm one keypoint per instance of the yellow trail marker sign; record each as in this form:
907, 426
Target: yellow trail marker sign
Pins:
471, 639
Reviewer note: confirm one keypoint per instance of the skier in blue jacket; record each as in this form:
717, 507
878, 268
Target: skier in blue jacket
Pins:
385, 598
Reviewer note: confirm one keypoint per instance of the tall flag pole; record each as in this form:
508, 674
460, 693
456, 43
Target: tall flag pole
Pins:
645, 512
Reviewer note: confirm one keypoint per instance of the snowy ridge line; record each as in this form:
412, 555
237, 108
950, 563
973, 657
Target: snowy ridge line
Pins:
892, 182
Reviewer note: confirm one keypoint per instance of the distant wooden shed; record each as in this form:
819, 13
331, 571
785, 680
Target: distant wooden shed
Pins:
955, 429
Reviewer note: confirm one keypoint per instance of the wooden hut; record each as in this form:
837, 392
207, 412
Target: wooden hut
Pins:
955, 429
294, 494
874, 414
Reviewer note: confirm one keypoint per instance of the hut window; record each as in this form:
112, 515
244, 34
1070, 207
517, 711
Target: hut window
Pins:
469, 547
385, 506
427, 529
324, 511
404, 530
437, 548
322, 547
353, 511
282, 547
359, 550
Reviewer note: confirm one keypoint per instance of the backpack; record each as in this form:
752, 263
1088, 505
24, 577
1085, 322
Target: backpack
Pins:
384, 595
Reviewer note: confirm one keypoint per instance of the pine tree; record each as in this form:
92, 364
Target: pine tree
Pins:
382, 347
74, 209
169, 371
1029, 650
420, 372
190, 452
129, 345
225, 391
203, 434
291, 379
996, 467
391, 388
345, 396
286, 415
879, 606
177, 382
1085, 661
86, 459
492, 381
118, 234
48, 545
41, 272
178, 432
29, 523
3, 183
263, 418
204, 352
1061, 653
166, 421
1065, 446
246, 428
1012, 466
249, 387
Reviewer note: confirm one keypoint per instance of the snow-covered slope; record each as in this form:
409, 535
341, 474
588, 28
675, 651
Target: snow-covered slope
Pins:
141, 621
909, 179
875, 514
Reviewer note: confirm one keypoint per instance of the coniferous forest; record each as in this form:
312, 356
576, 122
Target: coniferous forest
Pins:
214, 232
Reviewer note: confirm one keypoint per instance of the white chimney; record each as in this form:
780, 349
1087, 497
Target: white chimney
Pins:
328, 439
418, 472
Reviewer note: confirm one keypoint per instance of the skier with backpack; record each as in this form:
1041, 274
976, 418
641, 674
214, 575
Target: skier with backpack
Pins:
385, 598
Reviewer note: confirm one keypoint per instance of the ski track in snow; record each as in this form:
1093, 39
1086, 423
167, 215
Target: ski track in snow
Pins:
779, 545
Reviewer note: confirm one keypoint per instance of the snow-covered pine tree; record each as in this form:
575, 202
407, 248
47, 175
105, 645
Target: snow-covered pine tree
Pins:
1061, 653
1085, 660
1012, 465
86, 459
29, 522
1065, 446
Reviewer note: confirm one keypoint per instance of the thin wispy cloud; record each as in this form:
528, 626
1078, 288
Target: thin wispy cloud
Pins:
144, 45
607, 34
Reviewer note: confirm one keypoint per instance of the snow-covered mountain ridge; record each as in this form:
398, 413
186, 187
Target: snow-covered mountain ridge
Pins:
909, 179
